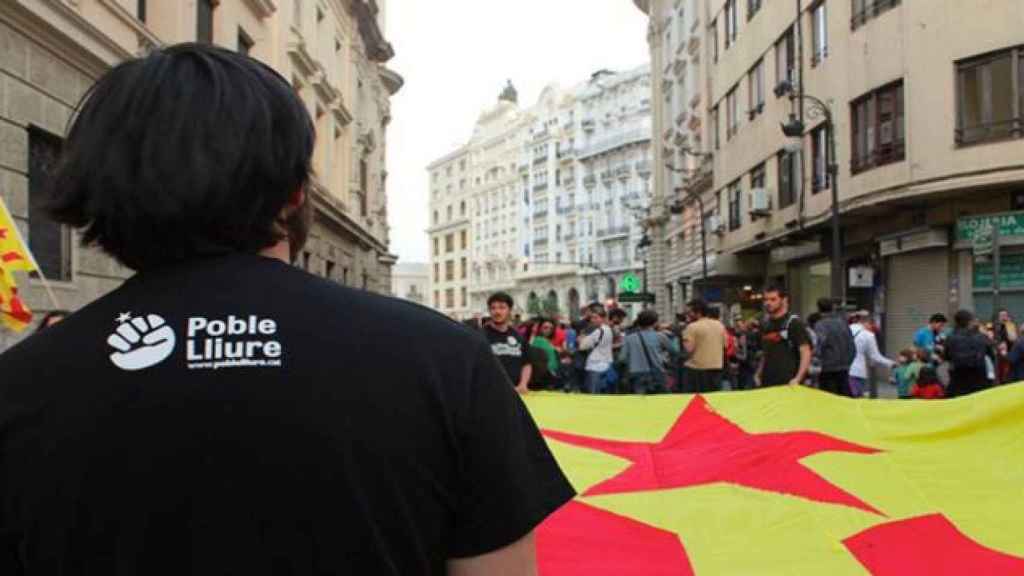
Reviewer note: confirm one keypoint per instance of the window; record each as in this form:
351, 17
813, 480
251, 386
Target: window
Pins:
715, 134
735, 193
437, 299
785, 60
990, 97
819, 155
753, 6
449, 298
436, 217
305, 261
463, 241
437, 246
731, 23
329, 270
877, 122
462, 269
790, 178
819, 33
462, 297
755, 89
864, 10
437, 272
757, 177
204, 21
49, 241
245, 43
714, 40
449, 270
732, 114
140, 10
363, 189
462, 208
449, 243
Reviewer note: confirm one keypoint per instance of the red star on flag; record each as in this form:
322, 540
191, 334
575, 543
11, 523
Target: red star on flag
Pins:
702, 447
3, 233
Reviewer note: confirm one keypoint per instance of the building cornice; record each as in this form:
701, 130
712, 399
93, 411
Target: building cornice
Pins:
378, 49
333, 211
391, 79
262, 8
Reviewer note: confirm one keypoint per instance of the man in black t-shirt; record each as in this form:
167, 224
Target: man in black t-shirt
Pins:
223, 412
785, 343
506, 343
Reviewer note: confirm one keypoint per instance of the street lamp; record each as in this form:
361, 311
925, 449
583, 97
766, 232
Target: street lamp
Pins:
677, 208
795, 129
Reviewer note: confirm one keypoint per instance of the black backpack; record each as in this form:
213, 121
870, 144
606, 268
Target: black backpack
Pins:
967, 350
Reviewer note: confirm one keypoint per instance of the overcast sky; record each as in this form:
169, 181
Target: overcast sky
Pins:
456, 55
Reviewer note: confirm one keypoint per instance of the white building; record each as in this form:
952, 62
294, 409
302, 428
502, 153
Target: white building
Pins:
558, 193
411, 281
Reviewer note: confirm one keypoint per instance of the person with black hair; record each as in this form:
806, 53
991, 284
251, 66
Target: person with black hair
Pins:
932, 338
223, 412
508, 344
704, 340
968, 352
834, 349
643, 353
785, 342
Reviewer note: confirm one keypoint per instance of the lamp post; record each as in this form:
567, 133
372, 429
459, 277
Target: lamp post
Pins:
677, 208
795, 129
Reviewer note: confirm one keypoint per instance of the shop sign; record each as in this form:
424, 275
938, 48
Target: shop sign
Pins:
1011, 225
1011, 272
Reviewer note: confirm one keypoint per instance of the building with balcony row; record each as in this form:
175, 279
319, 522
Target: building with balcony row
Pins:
333, 51
554, 196
927, 101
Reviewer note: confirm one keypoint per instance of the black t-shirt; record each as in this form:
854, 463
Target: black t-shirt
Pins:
781, 349
240, 416
510, 349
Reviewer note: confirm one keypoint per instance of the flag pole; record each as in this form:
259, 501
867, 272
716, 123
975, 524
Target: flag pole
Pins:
39, 271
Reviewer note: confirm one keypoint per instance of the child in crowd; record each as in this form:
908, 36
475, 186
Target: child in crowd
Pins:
928, 386
906, 373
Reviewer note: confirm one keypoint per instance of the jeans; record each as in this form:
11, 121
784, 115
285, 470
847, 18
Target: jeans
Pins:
701, 381
594, 383
835, 382
647, 383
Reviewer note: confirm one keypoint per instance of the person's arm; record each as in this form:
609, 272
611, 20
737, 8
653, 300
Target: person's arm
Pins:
688, 344
524, 378
516, 559
873, 354
805, 363
589, 341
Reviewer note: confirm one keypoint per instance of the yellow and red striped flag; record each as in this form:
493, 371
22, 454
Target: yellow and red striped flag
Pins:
14, 255
786, 480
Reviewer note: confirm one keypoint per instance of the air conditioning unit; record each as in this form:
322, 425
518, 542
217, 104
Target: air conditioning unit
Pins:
760, 203
715, 225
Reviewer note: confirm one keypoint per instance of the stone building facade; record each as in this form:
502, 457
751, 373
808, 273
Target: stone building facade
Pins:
333, 51
927, 102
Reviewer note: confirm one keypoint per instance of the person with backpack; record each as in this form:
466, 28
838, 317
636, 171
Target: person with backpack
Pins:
786, 343
868, 355
643, 352
967, 350
835, 349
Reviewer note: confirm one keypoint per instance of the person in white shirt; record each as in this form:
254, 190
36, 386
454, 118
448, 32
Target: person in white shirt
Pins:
599, 343
868, 355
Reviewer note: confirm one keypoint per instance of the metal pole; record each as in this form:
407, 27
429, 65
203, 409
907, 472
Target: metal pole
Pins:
996, 264
838, 280
703, 242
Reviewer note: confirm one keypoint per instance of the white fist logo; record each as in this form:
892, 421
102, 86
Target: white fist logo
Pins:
141, 342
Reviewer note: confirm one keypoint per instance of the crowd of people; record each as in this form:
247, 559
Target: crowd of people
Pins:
834, 349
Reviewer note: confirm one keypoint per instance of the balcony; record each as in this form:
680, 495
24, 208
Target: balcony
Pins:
623, 172
607, 177
566, 154
524, 167
614, 142
613, 232
540, 242
588, 124
590, 180
540, 187
569, 183
539, 160
537, 214
643, 168
571, 237
562, 210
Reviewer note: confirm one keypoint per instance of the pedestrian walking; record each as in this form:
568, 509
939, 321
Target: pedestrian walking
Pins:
704, 341
643, 352
598, 345
932, 338
785, 341
969, 353
835, 349
506, 342
225, 412
868, 356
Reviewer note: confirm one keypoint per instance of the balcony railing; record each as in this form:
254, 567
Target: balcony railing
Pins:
623, 171
588, 124
607, 176
643, 168
590, 180
613, 232
616, 141
538, 242
540, 213
564, 209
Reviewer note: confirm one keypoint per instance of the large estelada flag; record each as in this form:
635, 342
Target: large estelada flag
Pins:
14, 255
785, 481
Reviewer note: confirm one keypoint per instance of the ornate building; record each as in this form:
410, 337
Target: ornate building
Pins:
334, 51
